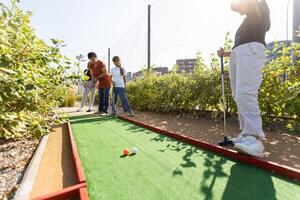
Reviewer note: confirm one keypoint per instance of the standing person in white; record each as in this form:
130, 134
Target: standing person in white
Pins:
89, 87
247, 60
119, 85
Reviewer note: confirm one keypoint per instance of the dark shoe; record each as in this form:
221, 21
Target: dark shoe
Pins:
89, 110
226, 142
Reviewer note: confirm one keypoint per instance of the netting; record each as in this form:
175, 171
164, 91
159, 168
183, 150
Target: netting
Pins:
180, 29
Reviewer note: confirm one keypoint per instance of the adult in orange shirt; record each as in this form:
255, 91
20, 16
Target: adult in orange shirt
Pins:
100, 74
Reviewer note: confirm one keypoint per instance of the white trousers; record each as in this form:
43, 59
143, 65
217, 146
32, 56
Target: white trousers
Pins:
89, 87
246, 64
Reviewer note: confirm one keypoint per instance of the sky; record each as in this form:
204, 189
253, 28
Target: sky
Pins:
179, 28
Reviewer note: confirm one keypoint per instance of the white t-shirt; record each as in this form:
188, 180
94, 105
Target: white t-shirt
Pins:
117, 78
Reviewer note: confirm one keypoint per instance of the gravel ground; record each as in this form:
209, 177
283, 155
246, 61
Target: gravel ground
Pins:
14, 157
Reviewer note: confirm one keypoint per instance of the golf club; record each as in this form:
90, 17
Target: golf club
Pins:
223, 93
225, 142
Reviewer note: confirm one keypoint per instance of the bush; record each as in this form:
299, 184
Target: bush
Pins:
280, 91
201, 90
70, 99
32, 77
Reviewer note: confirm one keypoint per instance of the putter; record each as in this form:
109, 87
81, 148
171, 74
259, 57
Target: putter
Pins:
225, 142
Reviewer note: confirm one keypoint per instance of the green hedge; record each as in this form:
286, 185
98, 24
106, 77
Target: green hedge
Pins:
32, 77
202, 89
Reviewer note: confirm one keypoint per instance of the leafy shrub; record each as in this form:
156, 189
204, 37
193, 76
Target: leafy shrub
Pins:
32, 77
70, 99
280, 91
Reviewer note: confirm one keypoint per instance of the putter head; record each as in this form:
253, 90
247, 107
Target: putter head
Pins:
225, 142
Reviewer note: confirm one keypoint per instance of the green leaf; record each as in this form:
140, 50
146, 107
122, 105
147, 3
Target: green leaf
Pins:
29, 87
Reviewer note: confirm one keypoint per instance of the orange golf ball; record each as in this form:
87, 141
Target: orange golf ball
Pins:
126, 152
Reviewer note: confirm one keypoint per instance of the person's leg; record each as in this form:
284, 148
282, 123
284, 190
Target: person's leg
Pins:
101, 100
106, 100
83, 99
125, 104
232, 77
115, 100
92, 99
250, 62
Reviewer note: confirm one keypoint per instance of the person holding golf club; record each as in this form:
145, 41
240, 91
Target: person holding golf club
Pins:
247, 59
102, 77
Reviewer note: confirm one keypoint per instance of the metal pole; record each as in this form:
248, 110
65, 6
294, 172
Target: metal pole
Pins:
287, 21
149, 37
79, 81
223, 93
108, 60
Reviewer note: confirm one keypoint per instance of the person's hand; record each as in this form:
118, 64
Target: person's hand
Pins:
221, 52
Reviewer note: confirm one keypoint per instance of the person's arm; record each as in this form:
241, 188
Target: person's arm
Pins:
104, 73
112, 77
259, 15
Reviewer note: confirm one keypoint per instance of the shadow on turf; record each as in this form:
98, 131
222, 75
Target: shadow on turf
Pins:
94, 118
130, 155
175, 145
242, 182
133, 128
82, 116
248, 186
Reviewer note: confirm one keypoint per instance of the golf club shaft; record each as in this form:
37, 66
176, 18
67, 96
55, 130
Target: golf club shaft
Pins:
223, 94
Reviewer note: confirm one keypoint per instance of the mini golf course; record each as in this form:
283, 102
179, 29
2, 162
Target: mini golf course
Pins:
165, 168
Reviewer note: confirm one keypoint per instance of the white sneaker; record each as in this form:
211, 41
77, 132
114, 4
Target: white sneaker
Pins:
251, 146
237, 139
79, 110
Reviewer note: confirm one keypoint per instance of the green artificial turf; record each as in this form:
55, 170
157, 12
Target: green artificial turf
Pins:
165, 168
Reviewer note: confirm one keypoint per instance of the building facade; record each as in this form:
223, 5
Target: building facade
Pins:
137, 74
186, 65
161, 70
129, 76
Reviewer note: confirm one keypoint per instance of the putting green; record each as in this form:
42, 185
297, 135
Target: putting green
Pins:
165, 168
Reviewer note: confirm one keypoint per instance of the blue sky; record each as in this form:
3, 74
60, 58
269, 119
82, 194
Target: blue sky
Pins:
179, 28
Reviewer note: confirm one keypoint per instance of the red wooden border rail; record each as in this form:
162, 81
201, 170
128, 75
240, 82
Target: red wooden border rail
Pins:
83, 193
75, 155
78, 190
282, 170
67, 193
